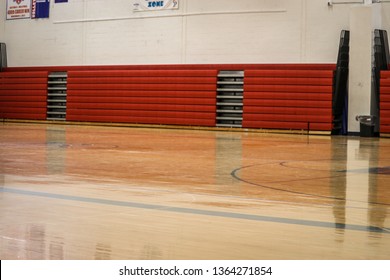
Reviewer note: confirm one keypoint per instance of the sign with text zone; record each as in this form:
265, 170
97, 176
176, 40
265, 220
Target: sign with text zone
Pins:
17, 9
150, 5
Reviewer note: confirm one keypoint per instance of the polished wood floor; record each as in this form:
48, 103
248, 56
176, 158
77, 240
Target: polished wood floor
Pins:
89, 192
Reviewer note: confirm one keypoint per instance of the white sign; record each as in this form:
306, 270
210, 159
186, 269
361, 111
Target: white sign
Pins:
150, 5
17, 9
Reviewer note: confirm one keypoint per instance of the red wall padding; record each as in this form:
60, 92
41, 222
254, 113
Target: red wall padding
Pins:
179, 97
385, 102
288, 98
278, 96
23, 95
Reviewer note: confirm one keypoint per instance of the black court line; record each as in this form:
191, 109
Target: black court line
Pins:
181, 210
235, 175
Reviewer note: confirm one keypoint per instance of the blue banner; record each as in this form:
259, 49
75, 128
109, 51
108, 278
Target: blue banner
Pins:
61, 1
40, 8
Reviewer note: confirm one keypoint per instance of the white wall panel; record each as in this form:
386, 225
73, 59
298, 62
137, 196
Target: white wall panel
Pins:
322, 30
139, 42
386, 17
242, 38
90, 32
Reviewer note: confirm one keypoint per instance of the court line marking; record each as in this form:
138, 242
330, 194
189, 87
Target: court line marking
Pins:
210, 213
237, 177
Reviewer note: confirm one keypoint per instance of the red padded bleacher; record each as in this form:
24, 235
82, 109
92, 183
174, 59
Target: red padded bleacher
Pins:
23, 95
178, 97
288, 99
276, 96
384, 103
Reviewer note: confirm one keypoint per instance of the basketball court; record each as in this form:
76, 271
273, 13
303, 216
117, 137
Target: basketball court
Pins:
106, 192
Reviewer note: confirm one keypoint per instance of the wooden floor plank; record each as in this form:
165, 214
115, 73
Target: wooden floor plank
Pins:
90, 192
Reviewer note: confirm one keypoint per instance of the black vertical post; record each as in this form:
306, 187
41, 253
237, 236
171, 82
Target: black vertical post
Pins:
3, 56
340, 85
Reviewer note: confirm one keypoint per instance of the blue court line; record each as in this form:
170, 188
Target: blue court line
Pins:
194, 211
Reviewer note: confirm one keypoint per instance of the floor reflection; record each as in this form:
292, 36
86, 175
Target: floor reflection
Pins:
150, 252
102, 252
359, 187
228, 157
338, 184
35, 242
56, 249
56, 149
70, 192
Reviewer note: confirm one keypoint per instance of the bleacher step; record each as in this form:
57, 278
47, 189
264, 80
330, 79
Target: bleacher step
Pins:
230, 90
56, 96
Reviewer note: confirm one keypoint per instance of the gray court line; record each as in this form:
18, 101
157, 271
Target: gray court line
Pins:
194, 211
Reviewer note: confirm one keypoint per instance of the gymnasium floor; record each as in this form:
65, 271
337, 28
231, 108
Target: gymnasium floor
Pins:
90, 192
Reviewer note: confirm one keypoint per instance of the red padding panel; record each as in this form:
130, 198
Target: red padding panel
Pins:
11, 87
144, 93
289, 118
23, 110
289, 81
288, 96
288, 88
143, 80
288, 99
11, 104
385, 128
385, 106
145, 107
23, 116
23, 80
385, 94
385, 82
287, 103
27, 98
384, 103
141, 73
385, 74
20, 92
156, 87
139, 100
289, 125
289, 73
288, 111
24, 73
385, 114
183, 96
23, 95
142, 120
384, 90
134, 113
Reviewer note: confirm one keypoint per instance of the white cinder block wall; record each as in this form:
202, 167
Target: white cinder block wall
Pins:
108, 32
